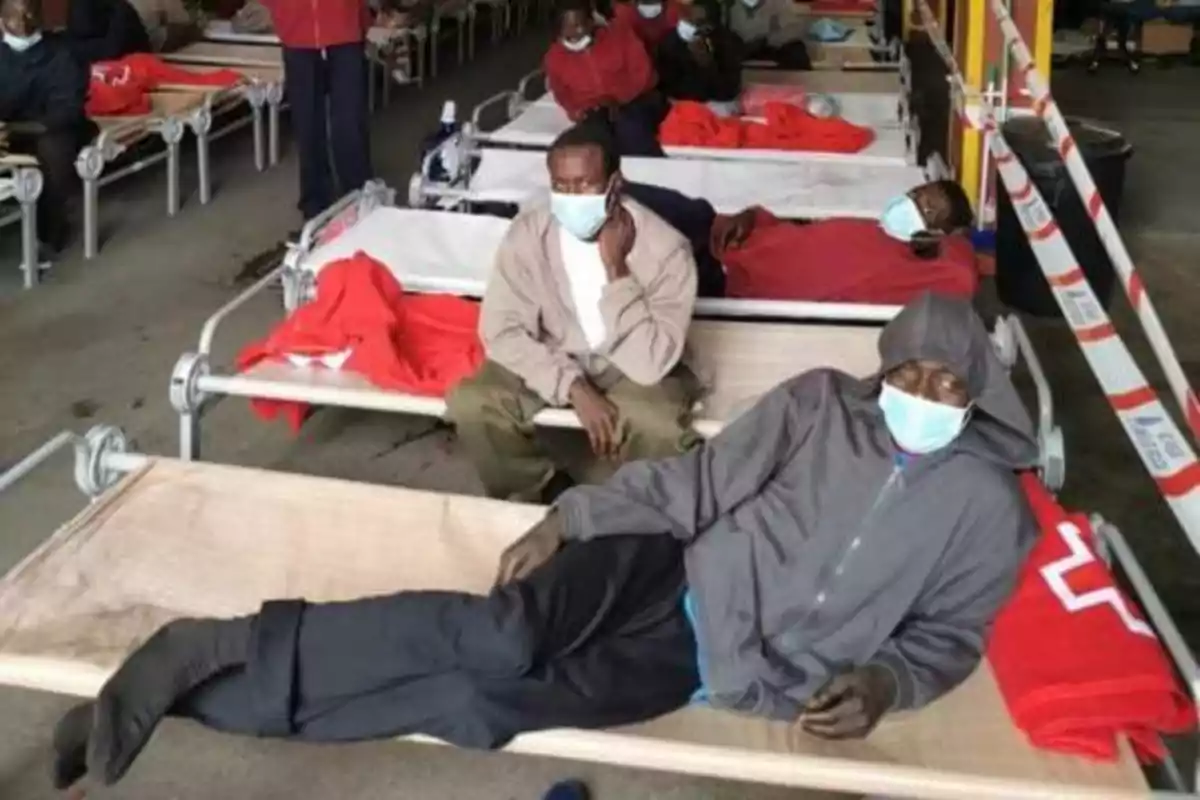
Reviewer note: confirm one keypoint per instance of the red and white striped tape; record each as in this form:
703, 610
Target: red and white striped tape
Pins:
1045, 107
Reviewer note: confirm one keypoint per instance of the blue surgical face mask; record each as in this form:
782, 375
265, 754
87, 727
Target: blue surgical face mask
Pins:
578, 45
902, 219
581, 215
22, 43
650, 10
918, 425
687, 30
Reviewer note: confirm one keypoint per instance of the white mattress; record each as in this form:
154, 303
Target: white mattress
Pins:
221, 30
542, 121
6, 189
443, 251
802, 190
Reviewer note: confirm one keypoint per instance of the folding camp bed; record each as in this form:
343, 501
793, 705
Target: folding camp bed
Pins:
536, 124
170, 112
453, 253
802, 190
262, 65
21, 186
163, 539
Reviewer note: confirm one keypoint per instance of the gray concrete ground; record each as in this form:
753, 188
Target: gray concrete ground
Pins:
98, 341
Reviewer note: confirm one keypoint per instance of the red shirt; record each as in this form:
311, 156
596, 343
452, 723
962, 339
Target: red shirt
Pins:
313, 24
615, 68
650, 31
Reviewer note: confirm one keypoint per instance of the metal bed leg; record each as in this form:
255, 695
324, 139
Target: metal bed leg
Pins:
187, 399
27, 186
274, 101
201, 124
89, 165
256, 96
172, 134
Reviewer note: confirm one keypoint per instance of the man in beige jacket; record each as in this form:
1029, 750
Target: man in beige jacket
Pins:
588, 307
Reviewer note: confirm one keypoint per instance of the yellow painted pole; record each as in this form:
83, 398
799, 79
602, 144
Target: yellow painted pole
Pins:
905, 19
1044, 32
975, 12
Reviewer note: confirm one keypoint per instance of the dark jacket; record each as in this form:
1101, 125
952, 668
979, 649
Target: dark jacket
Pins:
104, 30
694, 219
813, 546
681, 77
44, 84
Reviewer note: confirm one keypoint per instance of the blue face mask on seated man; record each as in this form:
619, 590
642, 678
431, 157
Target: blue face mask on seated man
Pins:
902, 219
917, 425
581, 215
22, 43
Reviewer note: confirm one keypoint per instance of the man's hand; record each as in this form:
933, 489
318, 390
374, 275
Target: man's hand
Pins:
616, 240
533, 549
851, 704
598, 415
731, 232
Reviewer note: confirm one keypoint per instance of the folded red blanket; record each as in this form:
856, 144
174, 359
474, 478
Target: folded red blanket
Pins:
122, 87
786, 127
841, 261
418, 344
1077, 664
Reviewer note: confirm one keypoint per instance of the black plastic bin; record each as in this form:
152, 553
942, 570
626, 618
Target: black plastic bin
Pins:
1020, 282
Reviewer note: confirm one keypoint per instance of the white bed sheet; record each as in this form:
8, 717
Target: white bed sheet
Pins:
542, 121
452, 253
221, 30
804, 190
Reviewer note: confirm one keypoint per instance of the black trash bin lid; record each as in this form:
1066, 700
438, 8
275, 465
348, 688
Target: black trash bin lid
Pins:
1030, 140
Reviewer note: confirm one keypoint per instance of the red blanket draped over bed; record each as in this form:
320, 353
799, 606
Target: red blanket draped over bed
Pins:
786, 127
122, 87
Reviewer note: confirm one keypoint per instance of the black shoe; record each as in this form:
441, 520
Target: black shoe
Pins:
568, 790
177, 659
70, 745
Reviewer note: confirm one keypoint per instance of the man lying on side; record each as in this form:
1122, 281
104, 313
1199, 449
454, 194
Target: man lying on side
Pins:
838, 552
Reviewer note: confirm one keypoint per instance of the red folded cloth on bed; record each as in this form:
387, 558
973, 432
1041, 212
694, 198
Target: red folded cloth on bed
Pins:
417, 344
786, 127
841, 260
122, 87
1075, 660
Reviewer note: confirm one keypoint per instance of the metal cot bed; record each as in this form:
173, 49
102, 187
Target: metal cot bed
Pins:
21, 186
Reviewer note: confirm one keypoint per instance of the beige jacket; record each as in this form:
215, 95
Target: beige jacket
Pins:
528, 322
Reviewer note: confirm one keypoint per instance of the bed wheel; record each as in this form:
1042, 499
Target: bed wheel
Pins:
1004, 341
91, 476
416, 185
1054, 458
185, 394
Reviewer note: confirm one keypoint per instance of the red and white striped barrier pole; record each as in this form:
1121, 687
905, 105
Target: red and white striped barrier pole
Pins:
1045, 107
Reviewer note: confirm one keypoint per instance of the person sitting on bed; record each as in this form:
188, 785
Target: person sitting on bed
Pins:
651, 20
604, 72
836, 553
169, 24
764, 28
701, 60
105, 30
588, 306
42, 95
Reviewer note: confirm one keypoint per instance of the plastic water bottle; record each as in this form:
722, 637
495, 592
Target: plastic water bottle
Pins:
445, 140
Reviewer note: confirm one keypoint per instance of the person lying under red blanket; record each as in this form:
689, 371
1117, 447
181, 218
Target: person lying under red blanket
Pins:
786, 127
1100, 673
122, 87
362, 321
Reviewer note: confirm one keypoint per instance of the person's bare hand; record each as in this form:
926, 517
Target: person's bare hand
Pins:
851, 704
535, 547
732, 232
616, 241
598, 416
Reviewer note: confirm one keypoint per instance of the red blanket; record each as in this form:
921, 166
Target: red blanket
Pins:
841, 260
122, 88
787, 127
1077, 664
418, 344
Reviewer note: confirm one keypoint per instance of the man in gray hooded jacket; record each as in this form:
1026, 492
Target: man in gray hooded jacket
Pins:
835, 553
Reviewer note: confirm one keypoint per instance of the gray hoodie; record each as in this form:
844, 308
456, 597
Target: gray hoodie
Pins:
814, 546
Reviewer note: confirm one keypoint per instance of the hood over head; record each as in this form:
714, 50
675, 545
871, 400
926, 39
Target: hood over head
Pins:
948, 331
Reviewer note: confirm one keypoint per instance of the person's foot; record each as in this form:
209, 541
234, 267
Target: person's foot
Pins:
70, 745
174, 661
568, 790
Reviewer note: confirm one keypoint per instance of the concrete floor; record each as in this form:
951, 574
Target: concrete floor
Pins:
97, 343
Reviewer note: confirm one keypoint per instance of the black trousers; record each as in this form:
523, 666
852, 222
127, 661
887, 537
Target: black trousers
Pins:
793, 55
634, 126
56, 152
327, 90
596, 637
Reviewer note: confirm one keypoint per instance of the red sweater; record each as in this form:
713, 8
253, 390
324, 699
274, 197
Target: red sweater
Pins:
841, 260
615, 69
650, 31
313, 24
